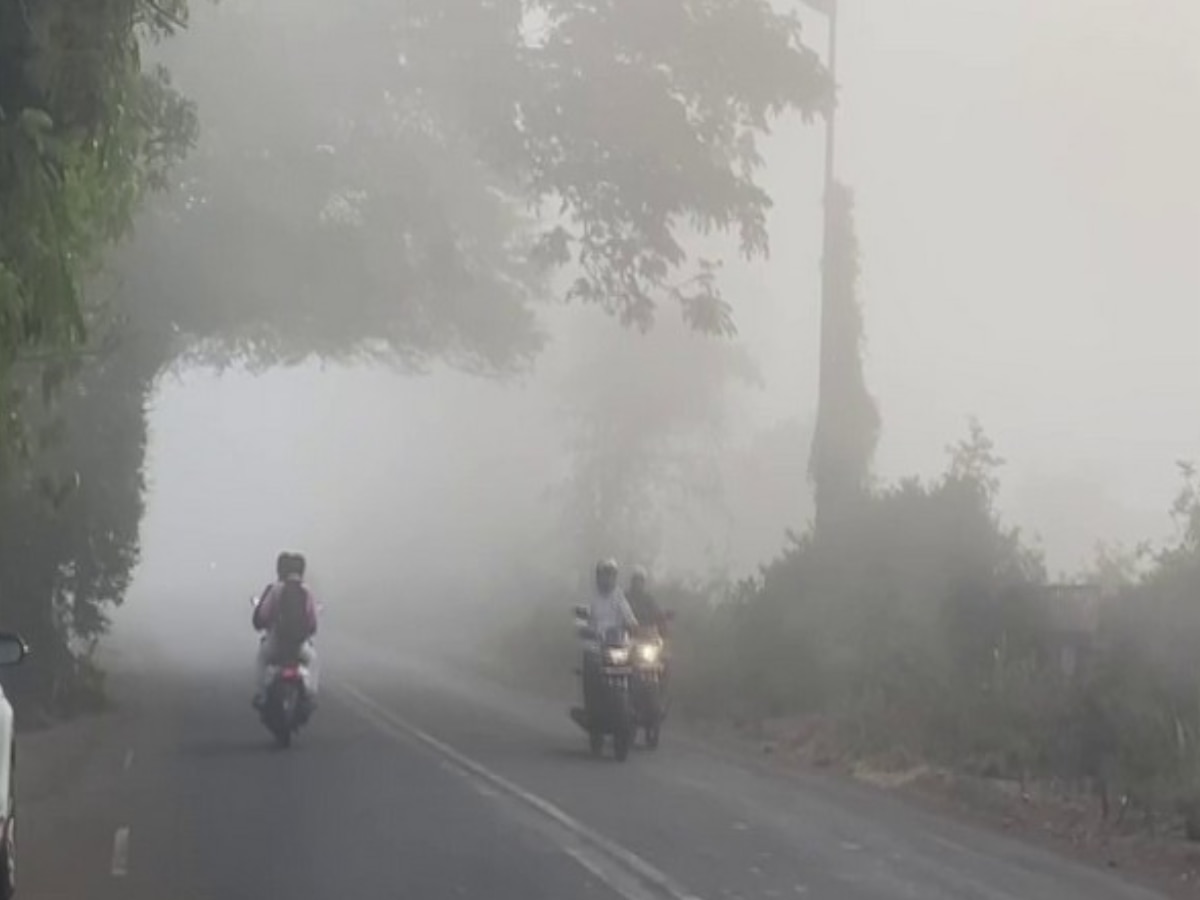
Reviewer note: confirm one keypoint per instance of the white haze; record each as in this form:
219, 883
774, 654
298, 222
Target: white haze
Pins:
1029, 209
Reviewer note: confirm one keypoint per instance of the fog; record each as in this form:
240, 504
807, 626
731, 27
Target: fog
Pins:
1029, 213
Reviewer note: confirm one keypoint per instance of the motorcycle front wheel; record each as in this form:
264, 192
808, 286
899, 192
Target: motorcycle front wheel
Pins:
652, 736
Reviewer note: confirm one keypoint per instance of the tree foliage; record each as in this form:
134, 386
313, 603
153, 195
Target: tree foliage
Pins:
407, 200
887, 621
646, 417
69, 521
85, 131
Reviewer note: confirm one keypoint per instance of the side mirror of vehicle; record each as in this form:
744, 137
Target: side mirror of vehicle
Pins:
12, 649
581, 612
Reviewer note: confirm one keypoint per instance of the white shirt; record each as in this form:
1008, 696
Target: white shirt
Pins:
610, 610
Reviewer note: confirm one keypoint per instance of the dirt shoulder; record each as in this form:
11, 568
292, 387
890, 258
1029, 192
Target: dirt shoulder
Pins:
1053, 817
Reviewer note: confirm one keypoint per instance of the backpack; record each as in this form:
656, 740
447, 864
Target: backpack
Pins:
291, 615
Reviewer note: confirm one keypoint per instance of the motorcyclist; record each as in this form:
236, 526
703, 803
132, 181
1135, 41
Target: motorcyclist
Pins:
643, 604
287, 612
607, 610
649, 613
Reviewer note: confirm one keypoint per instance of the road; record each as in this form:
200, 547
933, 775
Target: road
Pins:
411, 783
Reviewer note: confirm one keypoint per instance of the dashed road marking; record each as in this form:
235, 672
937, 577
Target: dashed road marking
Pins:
120, 853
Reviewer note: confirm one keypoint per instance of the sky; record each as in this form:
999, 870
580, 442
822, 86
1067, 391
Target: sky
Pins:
1029, 212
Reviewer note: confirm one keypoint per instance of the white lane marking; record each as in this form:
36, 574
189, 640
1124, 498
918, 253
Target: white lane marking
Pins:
128, 763
620, 881
660, 882
120, 854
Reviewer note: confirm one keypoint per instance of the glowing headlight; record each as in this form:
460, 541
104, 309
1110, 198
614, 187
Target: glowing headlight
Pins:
648, 653
618, 656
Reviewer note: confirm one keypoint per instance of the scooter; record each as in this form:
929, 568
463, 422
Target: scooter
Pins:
286, 705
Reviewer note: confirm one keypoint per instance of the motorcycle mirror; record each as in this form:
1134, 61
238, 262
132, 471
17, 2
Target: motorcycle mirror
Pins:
581, 612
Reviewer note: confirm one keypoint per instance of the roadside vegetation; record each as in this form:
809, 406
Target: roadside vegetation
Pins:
927, 636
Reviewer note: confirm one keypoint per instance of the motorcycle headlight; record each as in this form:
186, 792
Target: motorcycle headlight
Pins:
648, 653
618, 656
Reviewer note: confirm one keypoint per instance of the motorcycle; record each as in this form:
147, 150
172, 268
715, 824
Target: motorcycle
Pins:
286, 705
607, 697
648, 688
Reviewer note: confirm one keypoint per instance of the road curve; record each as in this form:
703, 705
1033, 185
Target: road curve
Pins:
419, 783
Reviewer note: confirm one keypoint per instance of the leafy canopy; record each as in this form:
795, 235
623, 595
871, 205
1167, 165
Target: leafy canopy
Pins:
85, 132
399, 179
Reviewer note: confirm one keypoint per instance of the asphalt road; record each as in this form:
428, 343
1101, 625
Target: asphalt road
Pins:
412, 783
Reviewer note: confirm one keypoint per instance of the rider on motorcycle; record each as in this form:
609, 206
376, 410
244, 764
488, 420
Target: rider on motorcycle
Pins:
648, 612
643, 604
607, 610
287, 612
608, 607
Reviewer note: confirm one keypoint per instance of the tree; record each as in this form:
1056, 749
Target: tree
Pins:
69, 523
85, 131
406, 201
646, 417
847, 430
394, 181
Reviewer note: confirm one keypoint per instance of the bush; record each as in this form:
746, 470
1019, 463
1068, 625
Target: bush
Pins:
925, 630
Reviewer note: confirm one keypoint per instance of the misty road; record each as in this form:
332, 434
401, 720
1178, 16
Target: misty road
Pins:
410, 783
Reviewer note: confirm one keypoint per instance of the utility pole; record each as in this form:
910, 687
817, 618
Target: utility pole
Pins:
828, 8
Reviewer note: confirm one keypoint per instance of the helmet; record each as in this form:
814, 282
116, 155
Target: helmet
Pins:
289, 564
638, 575
606, 576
